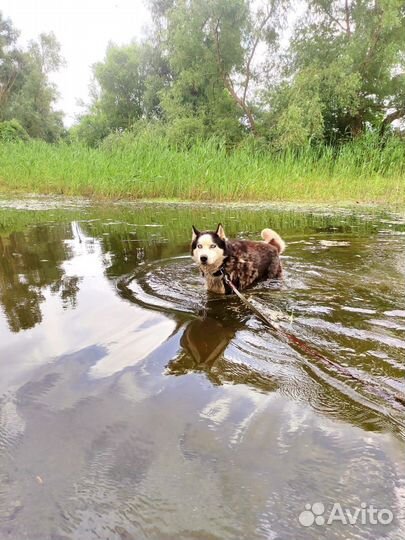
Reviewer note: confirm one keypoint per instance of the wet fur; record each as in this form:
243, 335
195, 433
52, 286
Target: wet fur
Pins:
244, 261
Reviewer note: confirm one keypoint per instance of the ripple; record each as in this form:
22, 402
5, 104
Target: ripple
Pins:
11, 425
230, 344
359, 310
354, 333
395, 313
167, 285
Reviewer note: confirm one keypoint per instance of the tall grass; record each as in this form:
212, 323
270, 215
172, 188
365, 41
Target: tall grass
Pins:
144, 166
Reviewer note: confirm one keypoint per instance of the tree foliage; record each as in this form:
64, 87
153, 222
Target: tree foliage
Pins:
350, 57
26, 93
235, 68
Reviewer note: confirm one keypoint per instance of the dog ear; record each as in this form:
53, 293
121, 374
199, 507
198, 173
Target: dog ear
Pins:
220, 232
195, 232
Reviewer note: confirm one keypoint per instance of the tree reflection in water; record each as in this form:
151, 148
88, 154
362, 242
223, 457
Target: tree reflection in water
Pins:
30, 263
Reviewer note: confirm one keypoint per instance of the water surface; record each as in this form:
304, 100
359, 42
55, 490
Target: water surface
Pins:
133, 405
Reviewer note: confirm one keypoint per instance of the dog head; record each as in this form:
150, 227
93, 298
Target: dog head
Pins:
208, 248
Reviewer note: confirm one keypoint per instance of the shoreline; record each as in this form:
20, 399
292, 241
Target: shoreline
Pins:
43, 201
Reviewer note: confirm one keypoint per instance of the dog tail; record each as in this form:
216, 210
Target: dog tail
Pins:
271, 237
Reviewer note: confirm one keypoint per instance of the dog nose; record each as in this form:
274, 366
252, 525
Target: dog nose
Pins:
204, 259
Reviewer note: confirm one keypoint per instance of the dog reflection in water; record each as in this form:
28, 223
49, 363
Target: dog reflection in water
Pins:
204, 342
203, 345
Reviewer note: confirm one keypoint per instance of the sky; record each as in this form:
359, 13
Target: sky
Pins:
83, 28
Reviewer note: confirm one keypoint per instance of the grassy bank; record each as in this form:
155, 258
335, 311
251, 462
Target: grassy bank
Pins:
146, 167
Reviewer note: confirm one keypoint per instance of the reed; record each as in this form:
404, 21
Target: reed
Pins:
149, 167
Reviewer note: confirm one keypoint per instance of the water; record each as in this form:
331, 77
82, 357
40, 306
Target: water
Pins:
133, 406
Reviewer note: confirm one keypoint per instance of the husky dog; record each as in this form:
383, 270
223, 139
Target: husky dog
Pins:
244, 262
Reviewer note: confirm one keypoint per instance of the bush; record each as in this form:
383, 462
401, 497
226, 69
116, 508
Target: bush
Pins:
12, 131
91, 130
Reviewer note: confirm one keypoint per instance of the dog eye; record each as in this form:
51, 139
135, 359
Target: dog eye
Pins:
212, 246
199, 246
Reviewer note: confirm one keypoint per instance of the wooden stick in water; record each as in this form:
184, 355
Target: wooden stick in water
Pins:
308, 350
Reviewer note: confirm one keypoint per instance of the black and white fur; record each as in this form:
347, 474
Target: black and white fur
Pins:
243, 261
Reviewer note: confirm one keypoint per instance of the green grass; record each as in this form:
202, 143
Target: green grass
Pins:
146, 167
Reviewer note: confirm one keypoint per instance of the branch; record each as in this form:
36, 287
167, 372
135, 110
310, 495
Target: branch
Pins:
252, 53
335, 20
228, 82
396, 115
375, 38
6, 89
347, 14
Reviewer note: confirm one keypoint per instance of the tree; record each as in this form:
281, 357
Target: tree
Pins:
200, 72
121, 79
216, 68
350, 58
32, 102
213, 48
260, 28
125, 90
26, 93
10, 62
